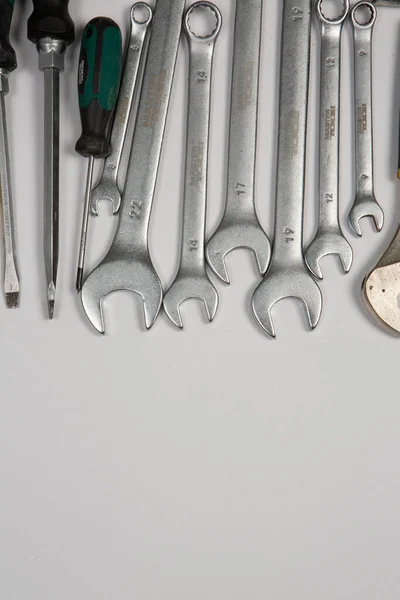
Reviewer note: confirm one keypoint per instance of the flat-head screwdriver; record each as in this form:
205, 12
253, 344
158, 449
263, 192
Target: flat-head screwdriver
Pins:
99, 75
8, 63
50, 27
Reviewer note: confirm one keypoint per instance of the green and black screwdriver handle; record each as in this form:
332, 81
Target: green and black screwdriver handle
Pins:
99, 75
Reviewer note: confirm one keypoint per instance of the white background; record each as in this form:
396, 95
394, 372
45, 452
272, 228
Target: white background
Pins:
211, 463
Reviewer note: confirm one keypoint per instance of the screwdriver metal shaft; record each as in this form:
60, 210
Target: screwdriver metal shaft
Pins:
50, 27
11, 277
85, 224
8, 63
48, 50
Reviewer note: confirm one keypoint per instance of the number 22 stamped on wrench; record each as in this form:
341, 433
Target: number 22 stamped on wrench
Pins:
128, 265
288, 275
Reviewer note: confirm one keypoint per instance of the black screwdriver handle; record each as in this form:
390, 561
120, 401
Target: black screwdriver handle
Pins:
8, 60
51, 19
99, 74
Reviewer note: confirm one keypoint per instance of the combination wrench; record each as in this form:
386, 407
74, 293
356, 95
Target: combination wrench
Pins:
240, 226
107, 187
329, 238
365, 204
288, 275
128, 265
192, 280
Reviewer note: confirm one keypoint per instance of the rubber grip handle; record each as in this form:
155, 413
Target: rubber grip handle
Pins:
51, 19
8, 60
99, 75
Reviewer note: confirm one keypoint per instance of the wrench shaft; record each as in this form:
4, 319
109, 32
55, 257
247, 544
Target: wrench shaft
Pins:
294, 81
363, 107
330, 125
148, 136
194, 212
244, 107
107, 187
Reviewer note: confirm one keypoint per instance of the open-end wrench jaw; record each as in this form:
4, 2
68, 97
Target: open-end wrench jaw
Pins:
133, 273
328, 243
187, 286
366, 206
232, 234
286, 282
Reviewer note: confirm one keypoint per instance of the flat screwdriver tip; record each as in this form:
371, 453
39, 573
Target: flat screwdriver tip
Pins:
12, 300
51, 294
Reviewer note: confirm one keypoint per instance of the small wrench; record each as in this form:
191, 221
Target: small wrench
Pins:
240, 227
365, 204
288, 275
192, 280
107, 187
128, 265
329, 238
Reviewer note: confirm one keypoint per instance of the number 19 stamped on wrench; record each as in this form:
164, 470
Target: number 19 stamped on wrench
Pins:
288, 275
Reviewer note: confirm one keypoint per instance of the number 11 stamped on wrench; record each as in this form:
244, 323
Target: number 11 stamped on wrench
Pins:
288, 275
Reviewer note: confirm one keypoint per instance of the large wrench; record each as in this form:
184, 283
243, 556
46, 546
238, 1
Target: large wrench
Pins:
192, 280
107, 187
329, 238
128, 265
365, 204
240, 227
288, 275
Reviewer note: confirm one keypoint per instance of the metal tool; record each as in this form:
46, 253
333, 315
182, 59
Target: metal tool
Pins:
8, 63
128, 265
240, 226
50, 27
107, 188
365, 204
192, 280
381, 288
390, 3
329, 238
99, 75
288, 275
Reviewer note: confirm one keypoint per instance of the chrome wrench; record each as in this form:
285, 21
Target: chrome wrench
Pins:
365, 204
288, 275
192, 280
107, 188
128, 265
329, 238
240, 227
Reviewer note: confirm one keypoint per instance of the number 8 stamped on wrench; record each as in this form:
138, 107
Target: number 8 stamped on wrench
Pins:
365, 204
288, 275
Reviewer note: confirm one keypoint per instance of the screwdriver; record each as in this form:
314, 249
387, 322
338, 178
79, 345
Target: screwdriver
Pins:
99, 75
50, 27
8, 63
